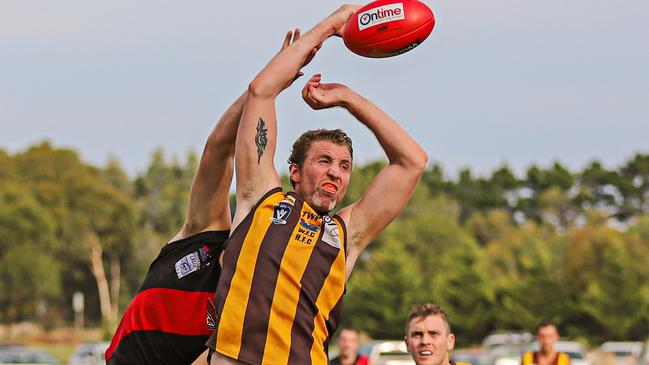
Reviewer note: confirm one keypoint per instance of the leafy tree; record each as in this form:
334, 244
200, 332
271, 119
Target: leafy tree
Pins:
29, 280
162, 192
91, 217
379, 298
524, 278
29, 276
489, 225
614, 297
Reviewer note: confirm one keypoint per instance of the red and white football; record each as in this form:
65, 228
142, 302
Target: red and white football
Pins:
386, 28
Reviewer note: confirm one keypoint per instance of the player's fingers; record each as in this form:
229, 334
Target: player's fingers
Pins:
287, 39
305, 91
296, 34
315, 96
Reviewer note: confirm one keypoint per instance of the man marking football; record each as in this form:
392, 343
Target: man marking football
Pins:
285, 265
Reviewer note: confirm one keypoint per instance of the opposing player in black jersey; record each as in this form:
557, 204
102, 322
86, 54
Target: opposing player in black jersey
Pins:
172, 315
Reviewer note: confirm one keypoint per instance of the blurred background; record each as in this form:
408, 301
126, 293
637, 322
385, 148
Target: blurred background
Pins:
535, 205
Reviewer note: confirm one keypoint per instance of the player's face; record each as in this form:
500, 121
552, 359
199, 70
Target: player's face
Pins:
348, 343
323, 177
429, 341
547, 336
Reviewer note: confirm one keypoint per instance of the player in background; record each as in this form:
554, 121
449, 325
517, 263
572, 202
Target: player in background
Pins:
547, 335
348, 342
429, 337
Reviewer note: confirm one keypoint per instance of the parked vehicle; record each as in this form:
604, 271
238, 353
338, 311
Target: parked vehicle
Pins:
619, 352
26, 356
622, 348
89, 353
643, 358
387, 352
473, 356
509, 354
507, 338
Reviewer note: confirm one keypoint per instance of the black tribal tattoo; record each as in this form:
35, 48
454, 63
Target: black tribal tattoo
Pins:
261, 139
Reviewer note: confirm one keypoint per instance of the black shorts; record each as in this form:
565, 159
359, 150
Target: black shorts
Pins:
172, 315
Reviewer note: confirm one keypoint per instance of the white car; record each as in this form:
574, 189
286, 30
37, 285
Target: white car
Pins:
507, 338
619, 352
622, 348
643, 358
387, 352
510, 354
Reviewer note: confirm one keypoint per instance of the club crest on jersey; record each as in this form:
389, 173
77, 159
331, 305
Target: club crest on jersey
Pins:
281, 213
331, 234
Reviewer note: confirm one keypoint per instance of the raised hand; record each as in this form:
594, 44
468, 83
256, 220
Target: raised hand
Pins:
321, 96
290, 38
339, 17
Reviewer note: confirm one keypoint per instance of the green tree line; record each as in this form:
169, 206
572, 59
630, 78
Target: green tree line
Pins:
497, 252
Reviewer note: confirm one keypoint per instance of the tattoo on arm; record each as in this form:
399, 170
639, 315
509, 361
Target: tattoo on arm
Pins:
261, 139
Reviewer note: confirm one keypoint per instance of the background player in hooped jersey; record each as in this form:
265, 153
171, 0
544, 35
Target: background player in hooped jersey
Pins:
172, 314
285, 265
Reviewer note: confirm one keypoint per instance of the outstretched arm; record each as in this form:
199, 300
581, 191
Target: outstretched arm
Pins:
392, 187
208, 207
257, 135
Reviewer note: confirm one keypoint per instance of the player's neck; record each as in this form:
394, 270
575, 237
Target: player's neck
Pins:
546, 357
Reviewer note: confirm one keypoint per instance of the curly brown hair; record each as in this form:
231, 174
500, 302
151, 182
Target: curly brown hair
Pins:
303, 143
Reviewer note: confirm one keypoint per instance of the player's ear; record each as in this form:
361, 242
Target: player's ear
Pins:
450, 342
294, 172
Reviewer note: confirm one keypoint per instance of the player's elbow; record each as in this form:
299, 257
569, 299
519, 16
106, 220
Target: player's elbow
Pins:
261, 87
418, 161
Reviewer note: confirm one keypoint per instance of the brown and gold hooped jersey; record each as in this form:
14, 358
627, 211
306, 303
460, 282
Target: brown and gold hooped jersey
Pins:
281, 287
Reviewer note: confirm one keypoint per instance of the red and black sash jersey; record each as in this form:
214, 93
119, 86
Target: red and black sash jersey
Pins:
280, 293
172, 314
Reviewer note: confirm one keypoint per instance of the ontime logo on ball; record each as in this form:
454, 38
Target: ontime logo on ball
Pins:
380, 15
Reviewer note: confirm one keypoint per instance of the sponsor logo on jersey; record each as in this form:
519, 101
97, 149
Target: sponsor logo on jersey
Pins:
188, 265
331, 234
380, 15
307, 233
281, 213
310, 227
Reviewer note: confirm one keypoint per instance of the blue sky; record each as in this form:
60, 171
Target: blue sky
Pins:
501, 81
